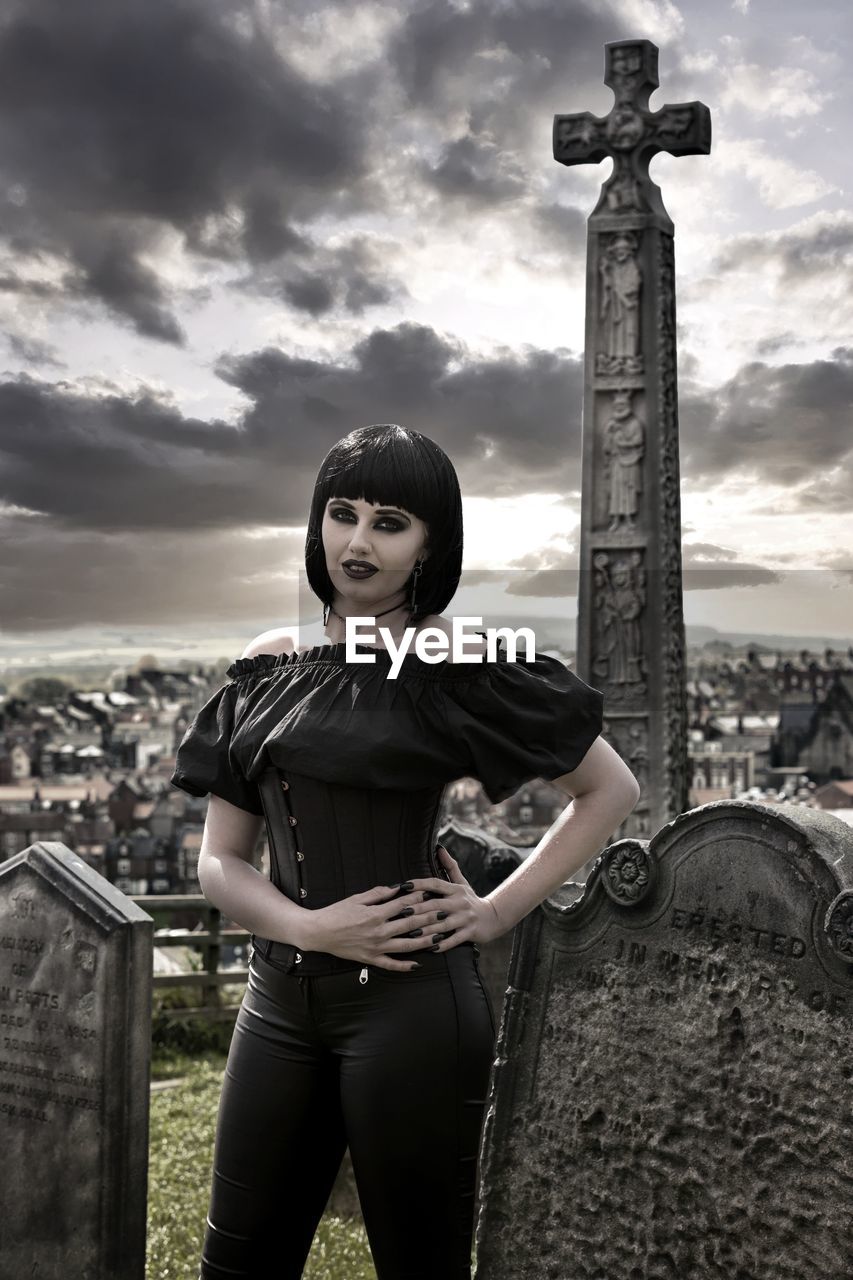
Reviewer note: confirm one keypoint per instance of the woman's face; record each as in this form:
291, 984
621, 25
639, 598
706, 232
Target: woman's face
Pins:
387, 537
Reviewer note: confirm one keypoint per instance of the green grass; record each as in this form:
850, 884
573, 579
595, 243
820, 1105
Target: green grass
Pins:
182, 1128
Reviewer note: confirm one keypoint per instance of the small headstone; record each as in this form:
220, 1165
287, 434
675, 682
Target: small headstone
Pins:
485, 861
672, 1092
75, 1054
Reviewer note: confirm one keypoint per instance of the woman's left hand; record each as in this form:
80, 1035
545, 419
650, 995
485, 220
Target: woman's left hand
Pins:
470, 917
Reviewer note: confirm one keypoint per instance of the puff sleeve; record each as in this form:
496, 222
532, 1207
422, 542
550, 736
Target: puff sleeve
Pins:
204, 762
527, 720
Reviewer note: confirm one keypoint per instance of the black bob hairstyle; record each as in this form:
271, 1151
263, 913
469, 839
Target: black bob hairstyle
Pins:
390, 465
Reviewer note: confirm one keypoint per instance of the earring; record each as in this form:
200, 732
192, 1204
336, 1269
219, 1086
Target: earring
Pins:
418, 570
325, 614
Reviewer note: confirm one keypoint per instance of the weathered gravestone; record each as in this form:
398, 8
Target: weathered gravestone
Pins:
672, 1095
485, 861
75, 1048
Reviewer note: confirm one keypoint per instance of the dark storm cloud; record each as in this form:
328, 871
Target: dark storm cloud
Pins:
352, 277
93, 579
122, 121
503, 63
475, 172
111, 271
562, 226
32, 351
705, 566
799, 255
526, 405
505, 70
781, 422
114, 464
776, 342
109, 480
117, 119
510, 422
311, 293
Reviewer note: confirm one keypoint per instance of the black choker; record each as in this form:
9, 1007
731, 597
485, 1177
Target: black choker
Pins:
376, 615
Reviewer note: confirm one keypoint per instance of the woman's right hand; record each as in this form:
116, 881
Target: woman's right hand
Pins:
361, 927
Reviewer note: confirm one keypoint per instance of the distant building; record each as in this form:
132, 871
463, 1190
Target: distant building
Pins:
817, 736
835, 795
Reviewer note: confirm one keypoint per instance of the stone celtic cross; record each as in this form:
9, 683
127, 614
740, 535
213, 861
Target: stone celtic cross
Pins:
631, 134
630, 640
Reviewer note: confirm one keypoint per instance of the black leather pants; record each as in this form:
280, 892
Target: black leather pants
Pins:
395, 1067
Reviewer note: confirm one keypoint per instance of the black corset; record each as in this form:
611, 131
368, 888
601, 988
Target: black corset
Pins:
328, 841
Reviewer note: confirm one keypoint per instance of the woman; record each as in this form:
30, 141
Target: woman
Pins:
365, 1023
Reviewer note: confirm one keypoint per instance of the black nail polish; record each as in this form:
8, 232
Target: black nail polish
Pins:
442, 915
415, 933
435, 948
407, 911
438, 937
406, 886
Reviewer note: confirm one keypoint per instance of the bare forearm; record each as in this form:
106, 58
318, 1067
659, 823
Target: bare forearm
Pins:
247, 897
577, 835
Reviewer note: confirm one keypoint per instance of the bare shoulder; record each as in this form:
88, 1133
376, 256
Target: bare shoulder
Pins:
276, 640
473, 643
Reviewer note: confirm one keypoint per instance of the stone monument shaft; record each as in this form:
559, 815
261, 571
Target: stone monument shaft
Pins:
630, 641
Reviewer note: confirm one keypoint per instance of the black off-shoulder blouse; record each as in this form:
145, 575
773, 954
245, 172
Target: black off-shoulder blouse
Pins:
503, 723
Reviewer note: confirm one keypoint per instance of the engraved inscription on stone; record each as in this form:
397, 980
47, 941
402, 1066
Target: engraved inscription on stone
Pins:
75, 1001
672, 1088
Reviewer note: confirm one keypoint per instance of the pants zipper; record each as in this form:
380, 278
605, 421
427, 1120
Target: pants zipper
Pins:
362, 977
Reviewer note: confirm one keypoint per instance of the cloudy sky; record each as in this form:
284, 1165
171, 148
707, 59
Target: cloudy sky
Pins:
231, 232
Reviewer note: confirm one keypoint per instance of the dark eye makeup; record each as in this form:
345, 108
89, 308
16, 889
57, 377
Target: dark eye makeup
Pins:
395, 525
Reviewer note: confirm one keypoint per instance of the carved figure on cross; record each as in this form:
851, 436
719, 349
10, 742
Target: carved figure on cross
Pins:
632, 134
